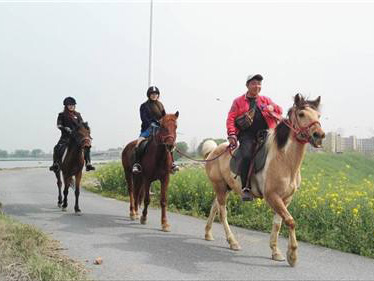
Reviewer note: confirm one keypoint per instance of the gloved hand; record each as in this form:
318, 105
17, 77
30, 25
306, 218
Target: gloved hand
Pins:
68, 130
233, 140
155, 124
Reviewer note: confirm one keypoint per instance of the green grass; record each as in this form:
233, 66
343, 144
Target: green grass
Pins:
334, 206
29, 254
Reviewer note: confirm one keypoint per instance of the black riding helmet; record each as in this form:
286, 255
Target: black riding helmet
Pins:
69, 101
152, 89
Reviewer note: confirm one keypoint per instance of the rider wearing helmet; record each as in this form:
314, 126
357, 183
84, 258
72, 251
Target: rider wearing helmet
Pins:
67, 121
151, 112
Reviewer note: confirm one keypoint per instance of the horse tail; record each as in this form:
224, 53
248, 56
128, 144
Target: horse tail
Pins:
208, 147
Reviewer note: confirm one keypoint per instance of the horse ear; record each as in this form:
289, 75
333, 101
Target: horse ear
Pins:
316, 102
298, 100
176, 114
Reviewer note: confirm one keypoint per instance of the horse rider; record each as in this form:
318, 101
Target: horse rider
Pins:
249, 114
67, 121
151, 112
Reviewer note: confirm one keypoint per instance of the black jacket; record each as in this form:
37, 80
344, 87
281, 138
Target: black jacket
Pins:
63, 122
148, 116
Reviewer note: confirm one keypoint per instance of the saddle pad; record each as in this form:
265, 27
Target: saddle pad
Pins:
260, 159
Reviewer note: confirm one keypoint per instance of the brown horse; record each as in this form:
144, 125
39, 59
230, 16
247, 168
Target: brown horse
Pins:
156, 165
277, 181
72, 164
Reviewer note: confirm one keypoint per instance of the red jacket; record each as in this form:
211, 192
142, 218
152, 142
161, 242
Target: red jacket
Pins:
241, 105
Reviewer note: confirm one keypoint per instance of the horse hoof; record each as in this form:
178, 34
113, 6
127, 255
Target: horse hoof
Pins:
63, 209
78, 212
209, 237
143, 220
291, 258
278, 257
133, 217
235, 247
166, 228
59, 205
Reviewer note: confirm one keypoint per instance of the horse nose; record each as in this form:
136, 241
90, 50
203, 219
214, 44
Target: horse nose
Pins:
317, 135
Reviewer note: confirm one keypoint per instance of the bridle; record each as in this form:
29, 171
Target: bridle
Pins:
300, 133
162, 138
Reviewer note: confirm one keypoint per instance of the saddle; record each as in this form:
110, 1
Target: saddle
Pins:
259, 158
142, 148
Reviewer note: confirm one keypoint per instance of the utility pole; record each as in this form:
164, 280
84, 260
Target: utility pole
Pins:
150, 65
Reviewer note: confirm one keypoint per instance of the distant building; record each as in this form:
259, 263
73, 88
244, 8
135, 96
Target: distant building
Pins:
349, 144
329, 142
366, 146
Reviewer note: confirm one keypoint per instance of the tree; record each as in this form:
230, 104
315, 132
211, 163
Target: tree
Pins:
3, 153
19, 153
183, 147
37, 153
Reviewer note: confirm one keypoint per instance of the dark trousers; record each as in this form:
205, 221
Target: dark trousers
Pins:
246, 150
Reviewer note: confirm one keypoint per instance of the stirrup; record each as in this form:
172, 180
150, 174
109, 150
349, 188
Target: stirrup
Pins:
89, 167
55, 167
247, 194
136, 168
174, 168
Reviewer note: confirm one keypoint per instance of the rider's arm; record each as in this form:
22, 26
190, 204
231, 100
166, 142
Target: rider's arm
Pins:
60, 122
230, 122
144, 115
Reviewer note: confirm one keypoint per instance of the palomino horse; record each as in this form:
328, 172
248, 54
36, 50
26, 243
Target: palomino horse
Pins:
72, 164
277, 181
156, 165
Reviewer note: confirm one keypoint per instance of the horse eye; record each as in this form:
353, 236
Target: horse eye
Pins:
301, 114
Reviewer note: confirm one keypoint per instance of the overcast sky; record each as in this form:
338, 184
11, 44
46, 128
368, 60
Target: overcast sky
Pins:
98, 53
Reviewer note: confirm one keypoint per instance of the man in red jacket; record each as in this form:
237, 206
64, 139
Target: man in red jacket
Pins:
262, 114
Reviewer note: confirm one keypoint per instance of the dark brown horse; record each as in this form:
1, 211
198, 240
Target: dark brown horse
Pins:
156, 165
72, 164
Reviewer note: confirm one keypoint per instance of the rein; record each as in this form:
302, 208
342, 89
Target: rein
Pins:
203, 161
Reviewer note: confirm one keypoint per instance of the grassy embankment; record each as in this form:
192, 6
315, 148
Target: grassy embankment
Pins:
333, 208
29, 254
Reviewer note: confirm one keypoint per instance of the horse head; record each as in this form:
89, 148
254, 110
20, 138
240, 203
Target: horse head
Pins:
304, 120
81, 135
167, 133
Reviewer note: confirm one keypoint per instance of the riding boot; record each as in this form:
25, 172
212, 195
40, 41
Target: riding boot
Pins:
87, 158
246, 189
137, 168
55, 166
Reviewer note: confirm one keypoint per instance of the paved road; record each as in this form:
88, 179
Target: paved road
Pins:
133, 251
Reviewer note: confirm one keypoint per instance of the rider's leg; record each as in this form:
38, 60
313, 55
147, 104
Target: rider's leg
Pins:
87, 158
246, 146
137, 168
57, 154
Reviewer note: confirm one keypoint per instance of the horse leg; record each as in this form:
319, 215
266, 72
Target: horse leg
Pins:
163, 202
59, 184
212, 215
280, 208
146, 187
66, 192
221, 198
137, 197
130, 188
276, 253
78, 178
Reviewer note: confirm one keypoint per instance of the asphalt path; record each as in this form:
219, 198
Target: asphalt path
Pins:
131, 251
